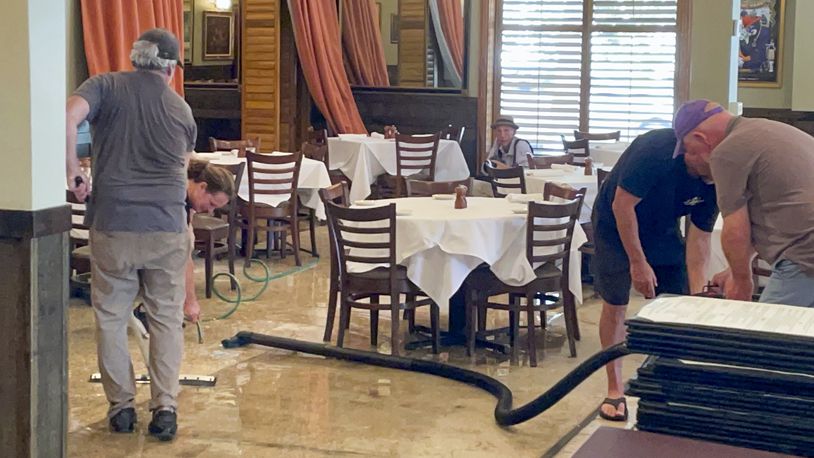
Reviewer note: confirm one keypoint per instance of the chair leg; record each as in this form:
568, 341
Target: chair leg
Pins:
251, 233
436, 335
570, 312
481, 314
471, 316
333, 290
409, 314
230, 246
312, 229
295, 240
394, 325
531, 340
514, 328
374, 323
208, 261
344, 320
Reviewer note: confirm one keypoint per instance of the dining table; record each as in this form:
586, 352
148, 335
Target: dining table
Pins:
363, 159
313, 177
440, 245
607, 153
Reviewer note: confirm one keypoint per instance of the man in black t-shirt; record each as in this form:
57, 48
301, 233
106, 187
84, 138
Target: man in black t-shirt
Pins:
638, 239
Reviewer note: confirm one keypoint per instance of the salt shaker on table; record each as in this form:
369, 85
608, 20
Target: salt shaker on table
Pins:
460, 196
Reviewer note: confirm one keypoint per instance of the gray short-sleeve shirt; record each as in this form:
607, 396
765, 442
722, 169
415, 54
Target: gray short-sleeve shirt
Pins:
142, 131
768, 166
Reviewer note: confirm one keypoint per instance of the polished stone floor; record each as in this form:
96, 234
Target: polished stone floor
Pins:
270, 403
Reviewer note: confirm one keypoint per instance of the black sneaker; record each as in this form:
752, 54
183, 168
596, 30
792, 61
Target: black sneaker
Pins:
164, 424
123, 421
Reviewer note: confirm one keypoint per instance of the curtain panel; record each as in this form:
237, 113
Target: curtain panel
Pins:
111, 26
316, 34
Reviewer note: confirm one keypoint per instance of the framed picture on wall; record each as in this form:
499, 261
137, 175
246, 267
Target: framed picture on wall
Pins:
188, 30
760, 62
394, 28
218, 35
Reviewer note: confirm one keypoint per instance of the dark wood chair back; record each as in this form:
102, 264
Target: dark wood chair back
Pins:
415, 153
273, 174
453, 133
237, 170
597, 136
363, 235
242, 146
601, 176
579, 149
315, 151
562, 191
336, 193
505, 181
545, 162
551, 225
316, 136
418, 188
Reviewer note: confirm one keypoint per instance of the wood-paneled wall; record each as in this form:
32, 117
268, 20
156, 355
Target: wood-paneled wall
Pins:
412, 43
260, 106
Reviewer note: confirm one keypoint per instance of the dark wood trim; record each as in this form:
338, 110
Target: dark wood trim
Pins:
498, 41
585, 69
683, 50
484, 71
29, 224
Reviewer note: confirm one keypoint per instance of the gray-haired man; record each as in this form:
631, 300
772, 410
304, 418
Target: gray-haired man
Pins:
142, 135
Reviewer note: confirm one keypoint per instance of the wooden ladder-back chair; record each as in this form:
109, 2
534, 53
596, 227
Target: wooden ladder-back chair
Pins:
545, 162
272, 175
211, 230
593, 136
242, 146
545, 230
337, 194
415, 159
367, 236
506, 181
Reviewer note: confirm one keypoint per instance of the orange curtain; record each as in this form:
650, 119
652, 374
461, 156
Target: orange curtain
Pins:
452, 25
362, 36
316, 33
111, 26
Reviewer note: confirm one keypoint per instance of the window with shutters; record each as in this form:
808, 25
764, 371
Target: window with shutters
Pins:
590, 65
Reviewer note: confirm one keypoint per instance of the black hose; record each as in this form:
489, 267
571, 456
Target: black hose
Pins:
504, 414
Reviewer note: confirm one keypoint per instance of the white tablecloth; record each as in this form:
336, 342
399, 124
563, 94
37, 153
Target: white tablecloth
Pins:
313, 176
362, 159
607, 153
536, 180
440, 245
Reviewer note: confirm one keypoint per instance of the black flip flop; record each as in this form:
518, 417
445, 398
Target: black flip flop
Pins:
615, 403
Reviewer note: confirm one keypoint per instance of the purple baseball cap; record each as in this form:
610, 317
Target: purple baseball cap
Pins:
689, 116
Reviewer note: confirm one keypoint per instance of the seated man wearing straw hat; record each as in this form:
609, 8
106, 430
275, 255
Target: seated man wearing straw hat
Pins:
507, 150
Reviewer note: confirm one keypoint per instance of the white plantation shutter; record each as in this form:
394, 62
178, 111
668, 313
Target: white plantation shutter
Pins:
630, 72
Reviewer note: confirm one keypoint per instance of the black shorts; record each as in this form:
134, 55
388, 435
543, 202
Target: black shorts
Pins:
614, 286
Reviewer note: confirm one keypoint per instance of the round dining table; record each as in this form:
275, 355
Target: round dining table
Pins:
440, 245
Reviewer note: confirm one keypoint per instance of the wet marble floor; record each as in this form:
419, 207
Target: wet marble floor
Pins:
270, 403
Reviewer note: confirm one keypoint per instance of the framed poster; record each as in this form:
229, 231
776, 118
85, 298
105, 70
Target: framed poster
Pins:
218, 35
188, 31
395, 23
760, 62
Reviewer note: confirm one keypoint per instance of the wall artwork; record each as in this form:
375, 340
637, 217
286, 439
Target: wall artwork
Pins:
218, 31
188, 30
394, 28
761, 41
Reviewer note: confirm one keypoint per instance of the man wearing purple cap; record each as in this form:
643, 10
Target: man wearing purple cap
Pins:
143, 133
764, 174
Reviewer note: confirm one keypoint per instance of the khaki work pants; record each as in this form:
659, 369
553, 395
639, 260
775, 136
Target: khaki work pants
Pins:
122, 264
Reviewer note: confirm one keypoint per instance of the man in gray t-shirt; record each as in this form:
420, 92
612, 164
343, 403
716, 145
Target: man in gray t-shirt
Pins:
763, 173
142, 134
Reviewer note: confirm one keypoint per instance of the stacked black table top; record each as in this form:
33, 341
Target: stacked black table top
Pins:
725, 371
